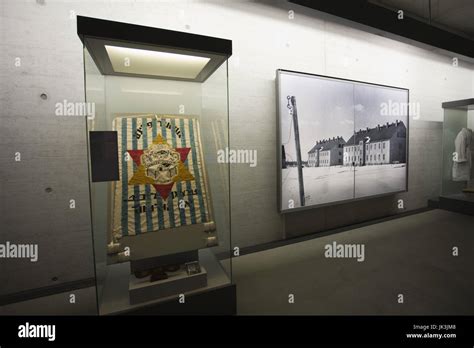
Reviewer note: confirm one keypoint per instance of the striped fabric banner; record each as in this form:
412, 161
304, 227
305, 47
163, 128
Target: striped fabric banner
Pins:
161, 174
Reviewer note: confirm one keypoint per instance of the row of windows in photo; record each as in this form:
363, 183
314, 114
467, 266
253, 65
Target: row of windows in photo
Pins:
368, 158
355, 158
372, 146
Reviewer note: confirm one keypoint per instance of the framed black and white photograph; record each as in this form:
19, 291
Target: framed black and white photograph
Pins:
339, 139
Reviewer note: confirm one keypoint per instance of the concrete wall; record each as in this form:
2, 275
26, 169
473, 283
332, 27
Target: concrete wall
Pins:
36, 191
43, 35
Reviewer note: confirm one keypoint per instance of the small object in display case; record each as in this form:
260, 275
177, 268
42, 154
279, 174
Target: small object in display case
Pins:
159, 197
193, 267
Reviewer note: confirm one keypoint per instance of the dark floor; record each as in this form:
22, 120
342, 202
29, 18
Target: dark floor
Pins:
412, 256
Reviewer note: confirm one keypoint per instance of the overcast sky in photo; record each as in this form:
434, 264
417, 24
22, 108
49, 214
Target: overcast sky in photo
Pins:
368, 100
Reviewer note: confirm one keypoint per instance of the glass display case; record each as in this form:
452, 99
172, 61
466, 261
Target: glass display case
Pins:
458, 149
158, 116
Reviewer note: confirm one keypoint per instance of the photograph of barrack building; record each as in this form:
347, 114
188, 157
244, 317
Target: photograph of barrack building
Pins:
384, 144
344, 143
326, 152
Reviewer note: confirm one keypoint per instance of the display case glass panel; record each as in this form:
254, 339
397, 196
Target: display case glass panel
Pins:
159, 198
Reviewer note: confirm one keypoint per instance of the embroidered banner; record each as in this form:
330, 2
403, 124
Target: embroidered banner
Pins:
161, 174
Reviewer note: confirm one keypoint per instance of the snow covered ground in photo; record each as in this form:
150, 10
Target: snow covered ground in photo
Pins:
376, 180
330, 184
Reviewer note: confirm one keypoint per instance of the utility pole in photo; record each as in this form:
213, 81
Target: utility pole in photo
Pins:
299, 163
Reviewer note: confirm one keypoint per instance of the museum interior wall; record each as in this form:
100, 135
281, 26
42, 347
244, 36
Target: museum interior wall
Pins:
37, 191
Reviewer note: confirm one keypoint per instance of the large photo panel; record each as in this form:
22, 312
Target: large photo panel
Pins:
339, 140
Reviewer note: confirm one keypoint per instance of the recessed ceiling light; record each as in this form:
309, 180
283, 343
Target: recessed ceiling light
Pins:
122, 49
155, 63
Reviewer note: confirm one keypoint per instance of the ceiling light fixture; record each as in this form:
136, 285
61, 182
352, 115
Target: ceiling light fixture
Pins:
155, 63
